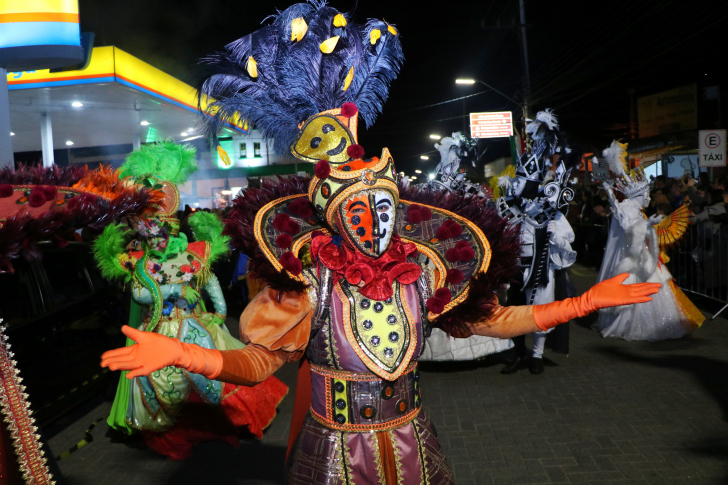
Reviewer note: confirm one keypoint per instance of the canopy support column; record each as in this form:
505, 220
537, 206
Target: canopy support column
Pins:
46, 139
6, 143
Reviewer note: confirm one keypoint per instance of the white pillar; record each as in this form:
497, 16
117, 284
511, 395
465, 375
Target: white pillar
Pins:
6, 143
46, 139
136, 142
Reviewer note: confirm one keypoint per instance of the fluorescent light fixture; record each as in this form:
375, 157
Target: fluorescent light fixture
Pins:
192, 138
424, 157
401, 173
144, 123
184, 133
13, 134
418, 171
435, 137
77, 104
465, 81
413, 177
432, 176
226, 192
69, 143
197, 204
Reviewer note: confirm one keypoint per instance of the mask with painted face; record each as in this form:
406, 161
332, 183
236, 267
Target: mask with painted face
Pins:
366, 219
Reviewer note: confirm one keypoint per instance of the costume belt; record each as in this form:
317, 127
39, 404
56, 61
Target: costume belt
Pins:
352, 402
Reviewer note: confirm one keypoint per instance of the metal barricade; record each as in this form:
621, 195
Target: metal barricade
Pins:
698, 262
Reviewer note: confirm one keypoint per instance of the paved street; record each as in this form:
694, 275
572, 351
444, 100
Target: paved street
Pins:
612, 412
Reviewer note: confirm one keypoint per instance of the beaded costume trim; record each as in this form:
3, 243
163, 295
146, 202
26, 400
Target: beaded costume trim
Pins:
353, 376
20, 424
365, 428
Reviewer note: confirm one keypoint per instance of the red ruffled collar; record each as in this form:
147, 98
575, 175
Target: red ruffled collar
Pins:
373, 276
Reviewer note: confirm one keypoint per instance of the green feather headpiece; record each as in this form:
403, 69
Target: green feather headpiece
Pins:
165, 160
208, 227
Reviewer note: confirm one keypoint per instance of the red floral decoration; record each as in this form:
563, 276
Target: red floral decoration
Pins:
37, 197
50, 192
284, 223
284, 241
6, 190
301, 208
454, 276
448, 230
349, 109
291, 263
355, 151
322, 169
418, 213
461, 252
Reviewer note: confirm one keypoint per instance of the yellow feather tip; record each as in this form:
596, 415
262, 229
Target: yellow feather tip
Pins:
224, 156
299, 27
349, 78
252, 67
374, 36
392, 30
328, 46
339, 21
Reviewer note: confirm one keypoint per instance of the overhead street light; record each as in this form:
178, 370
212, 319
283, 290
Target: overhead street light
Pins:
432, 176
435, 137
424, 157
473, 81
418, 171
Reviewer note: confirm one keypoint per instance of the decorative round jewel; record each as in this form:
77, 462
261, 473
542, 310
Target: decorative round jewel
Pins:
392, 319
340, 418
369, 177
378, 307
384, 217
365, 304
393, 337
339, 387
388, 301
340, 404
356, 220
368, 412
367, 324
375, 340
388, 352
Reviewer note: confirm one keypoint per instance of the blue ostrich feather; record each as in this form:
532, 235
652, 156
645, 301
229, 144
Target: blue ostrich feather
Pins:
295, 79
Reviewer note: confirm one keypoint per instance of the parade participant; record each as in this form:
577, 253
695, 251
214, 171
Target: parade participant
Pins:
380, 281
636, 246
536, 206
167, 272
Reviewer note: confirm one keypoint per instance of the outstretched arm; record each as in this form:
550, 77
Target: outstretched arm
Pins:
275, 325
218, 300
507, 322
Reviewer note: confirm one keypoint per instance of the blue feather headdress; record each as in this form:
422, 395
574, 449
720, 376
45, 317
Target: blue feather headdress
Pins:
310, 59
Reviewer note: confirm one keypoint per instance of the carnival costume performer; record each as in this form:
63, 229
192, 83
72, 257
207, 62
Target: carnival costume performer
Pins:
175, 408
386, 269
636, 246
537, 206
449, 178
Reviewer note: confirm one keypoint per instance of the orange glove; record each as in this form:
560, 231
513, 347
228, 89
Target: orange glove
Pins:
153, 352
606, 294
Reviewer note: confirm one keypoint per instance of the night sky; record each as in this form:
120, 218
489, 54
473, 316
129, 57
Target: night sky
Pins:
584, 57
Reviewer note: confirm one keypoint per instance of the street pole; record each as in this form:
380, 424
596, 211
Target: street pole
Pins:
6, 143
526, 72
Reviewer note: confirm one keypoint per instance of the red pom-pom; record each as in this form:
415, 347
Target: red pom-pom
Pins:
444, 295
37, 197
50, 192
349, 109
301, 208
280, 222
291, 263
284, 241
316, 234
435, 305
6, 190
322, 169
455, 228
454, 276
292, 227
355, 151
466, 254
414, 214
443, 232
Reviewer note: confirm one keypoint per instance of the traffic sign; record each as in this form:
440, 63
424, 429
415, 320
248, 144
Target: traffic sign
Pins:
711, 148
495, 124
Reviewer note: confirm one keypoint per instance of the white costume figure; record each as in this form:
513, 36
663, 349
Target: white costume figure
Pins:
449, 178
536, 199
634, 247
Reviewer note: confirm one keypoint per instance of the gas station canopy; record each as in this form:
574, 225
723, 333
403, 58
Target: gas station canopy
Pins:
117, 99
